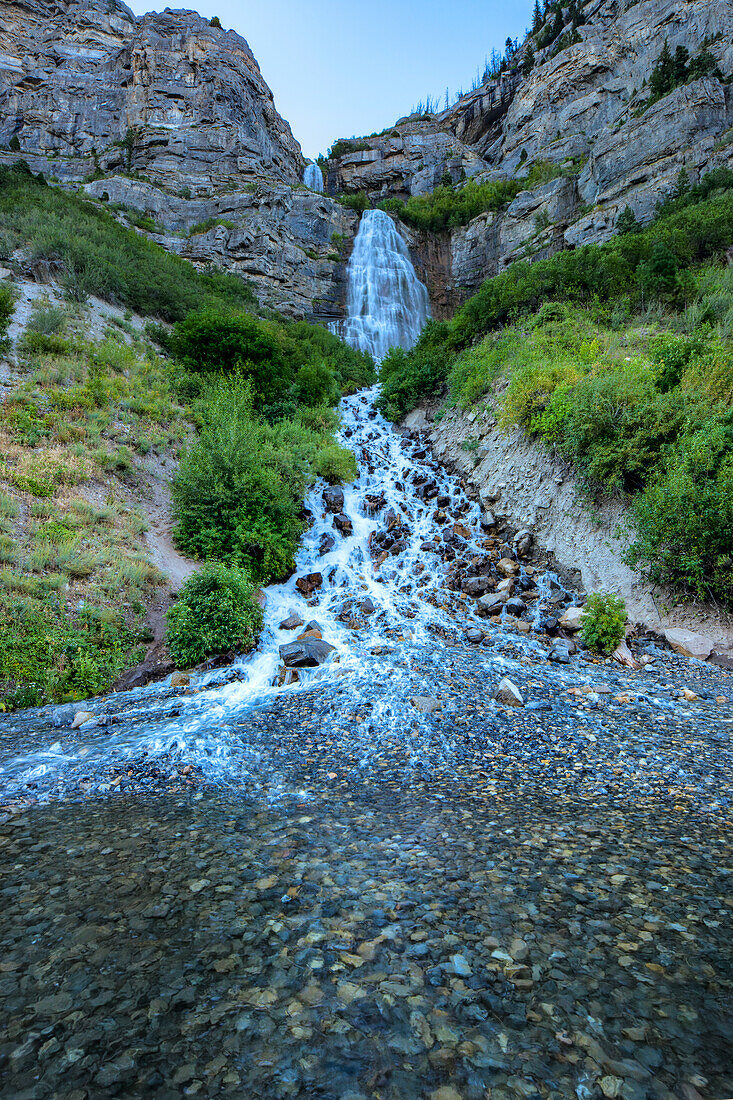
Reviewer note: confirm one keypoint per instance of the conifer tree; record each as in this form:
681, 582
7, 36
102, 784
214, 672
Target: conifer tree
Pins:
537, 17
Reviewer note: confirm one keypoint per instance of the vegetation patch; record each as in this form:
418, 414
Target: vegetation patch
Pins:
216, 613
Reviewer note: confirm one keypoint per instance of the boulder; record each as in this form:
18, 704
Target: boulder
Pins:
180, 679
309, 584
292, 622
476, 586
333, 498
343, 524
507, 567
327, 544
488, 521
507, 585
492, 603
81, 717
462, 531
689, 644
572, 619
523, 542
306, 653
425, 704
474, 635
368, 606
508, 694
559, 654
516, 607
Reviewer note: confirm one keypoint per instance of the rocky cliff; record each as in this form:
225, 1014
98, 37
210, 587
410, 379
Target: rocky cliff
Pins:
84, 84
170, 117
584, 116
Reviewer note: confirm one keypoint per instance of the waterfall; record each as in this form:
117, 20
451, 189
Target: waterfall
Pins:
313, 177
387, 305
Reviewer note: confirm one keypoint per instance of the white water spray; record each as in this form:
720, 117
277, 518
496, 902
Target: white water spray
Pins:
387, 305
313, 177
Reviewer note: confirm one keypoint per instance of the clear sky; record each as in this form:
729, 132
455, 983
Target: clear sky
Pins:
339, 68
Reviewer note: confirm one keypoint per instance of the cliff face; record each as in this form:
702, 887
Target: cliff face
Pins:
83, 83
584, 113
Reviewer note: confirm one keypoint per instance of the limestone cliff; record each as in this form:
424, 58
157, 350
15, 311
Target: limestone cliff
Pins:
85, 84
584, 113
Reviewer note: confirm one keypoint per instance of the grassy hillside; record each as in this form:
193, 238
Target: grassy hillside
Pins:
244, 405
621, 356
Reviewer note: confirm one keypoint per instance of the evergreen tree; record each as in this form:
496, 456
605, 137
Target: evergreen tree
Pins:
627, 222
537, 17
661, 81
529, 60
558, 24
681, 58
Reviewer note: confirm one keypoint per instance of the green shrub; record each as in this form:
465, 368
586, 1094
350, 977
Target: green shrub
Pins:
447, 207
238, 492
358, 201
604, 622
102, 257
335, 464
7, 307
215, 613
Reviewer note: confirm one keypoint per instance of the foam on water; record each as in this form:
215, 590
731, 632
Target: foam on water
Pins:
387, 305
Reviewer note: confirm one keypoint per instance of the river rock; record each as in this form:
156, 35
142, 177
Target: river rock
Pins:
343, 524
368, 606
523, 542
333, 498
292, 622
425, 704
488, 521
180, 679
326, 545
476, 586
515, 607
493, 603
309, 584
507, 585
81, 717
507, 567
560, 653
474, 635
306, 653
509, 694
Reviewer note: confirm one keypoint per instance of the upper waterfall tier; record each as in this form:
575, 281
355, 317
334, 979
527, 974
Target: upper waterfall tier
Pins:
387, 305
313, 177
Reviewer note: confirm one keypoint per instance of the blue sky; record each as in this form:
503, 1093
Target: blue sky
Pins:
344, 68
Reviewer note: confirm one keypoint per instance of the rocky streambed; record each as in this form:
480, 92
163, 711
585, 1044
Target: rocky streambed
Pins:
420, 844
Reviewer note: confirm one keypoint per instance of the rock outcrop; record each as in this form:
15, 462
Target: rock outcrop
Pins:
583, 114
85, 86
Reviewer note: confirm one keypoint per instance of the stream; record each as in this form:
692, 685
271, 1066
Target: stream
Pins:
370, 877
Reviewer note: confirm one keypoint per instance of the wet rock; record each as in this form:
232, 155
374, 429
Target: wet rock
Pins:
343, 524
476, 586
507, 567
550, 624
462, 531
488, 521
509, 694
333, 498
368, 607
507, 585
180, 679
326, 544
515, 607
292, 622
560, 653
309, 584
81, 717
474, 636
493, 603
425, 704
306, 653
287, 676
523, 542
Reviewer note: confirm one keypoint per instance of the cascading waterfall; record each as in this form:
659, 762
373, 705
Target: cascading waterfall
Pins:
387, 305
313, 177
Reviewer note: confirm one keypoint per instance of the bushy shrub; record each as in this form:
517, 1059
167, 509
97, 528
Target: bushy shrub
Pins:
7, 306
215, 613
358, 201
684, 517
447, 207
239, 489
604, 622
335, 463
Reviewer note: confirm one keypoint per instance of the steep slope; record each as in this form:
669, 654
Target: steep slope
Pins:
84, 84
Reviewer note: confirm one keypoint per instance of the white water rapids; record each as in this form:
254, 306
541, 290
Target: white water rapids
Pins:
378, 609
